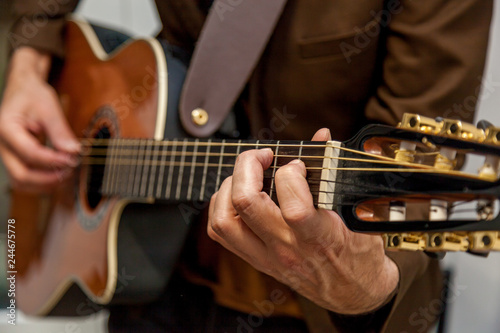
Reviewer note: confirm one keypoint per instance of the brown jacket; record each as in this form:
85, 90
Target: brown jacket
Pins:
336, 64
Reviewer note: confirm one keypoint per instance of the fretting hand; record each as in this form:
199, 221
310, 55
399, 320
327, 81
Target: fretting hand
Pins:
308, 249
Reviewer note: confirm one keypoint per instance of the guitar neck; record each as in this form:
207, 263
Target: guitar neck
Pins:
193, 169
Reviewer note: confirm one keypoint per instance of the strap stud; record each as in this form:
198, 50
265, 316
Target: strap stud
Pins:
199, 116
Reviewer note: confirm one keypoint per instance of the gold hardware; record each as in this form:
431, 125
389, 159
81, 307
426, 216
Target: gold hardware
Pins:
492, 136
484, 241
489, 170
406, 152
477, 241
461, 130
404, 155
446, 241
444, 163
448, 127
404, 241
419, 123
485, 210
199, 116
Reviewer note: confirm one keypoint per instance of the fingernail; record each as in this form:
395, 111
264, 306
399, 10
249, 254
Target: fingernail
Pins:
295, 162
72, 146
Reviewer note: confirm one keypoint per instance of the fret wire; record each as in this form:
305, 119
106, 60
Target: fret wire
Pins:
161, 175
238, 148
217, 181
181, 171
118, 171
169, 179
114, 165
131, 175
205, 168
146, 169
107, 172
138, 169
191, 176
152, 177
126, 175
300, 150
274, 172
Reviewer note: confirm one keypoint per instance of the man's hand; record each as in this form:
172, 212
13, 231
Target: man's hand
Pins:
30, 108
308, 249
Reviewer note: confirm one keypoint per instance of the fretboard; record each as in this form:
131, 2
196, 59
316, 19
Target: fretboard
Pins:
192, 169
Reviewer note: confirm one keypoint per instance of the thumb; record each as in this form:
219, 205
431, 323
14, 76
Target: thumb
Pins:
57, 128
322, 135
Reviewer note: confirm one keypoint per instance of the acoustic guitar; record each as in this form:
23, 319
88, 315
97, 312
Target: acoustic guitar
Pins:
121, 105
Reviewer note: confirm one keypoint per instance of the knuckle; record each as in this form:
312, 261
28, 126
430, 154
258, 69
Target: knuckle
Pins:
297, 215
241, 203
211, 233
245, 157
245, 203
285, 172
219, 226
287, 258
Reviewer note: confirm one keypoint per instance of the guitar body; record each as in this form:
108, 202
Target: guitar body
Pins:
70, 237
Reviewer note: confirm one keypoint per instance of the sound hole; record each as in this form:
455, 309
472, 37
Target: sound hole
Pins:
96, 170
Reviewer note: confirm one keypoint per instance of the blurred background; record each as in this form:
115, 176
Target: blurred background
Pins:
475, 289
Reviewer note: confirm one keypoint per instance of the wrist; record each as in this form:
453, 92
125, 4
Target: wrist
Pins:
374, 292
384, 287
27, 61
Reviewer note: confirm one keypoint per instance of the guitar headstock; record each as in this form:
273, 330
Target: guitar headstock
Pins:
405, 183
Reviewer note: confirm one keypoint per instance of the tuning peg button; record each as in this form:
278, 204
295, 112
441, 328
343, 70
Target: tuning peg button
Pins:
484, 124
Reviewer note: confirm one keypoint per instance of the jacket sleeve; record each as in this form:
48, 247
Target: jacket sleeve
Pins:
434, 59
40, 24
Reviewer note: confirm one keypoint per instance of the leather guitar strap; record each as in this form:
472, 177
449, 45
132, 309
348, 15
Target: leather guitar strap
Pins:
228, 49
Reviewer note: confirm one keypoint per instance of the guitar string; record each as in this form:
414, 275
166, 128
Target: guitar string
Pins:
393, 191
198, 154
304, 144
213, 144
398, 170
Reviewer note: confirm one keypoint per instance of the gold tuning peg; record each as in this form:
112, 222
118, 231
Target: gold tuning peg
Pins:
461, 130
446, 241
484, 241
492, 136
413, 121
404, 241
